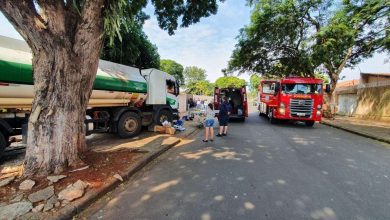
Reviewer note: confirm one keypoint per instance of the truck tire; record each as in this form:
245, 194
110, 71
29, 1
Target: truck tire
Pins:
271, 118
3, 144
164, 115
309, 123
129, 125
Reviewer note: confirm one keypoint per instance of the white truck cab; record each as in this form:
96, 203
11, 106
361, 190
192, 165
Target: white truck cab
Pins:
160, 93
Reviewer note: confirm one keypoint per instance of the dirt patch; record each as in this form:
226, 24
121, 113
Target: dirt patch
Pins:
102, 166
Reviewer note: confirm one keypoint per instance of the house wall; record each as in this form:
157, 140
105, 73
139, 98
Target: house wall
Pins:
347, 104
374, 103
371, 79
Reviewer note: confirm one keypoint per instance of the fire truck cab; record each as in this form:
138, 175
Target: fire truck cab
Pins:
291, 98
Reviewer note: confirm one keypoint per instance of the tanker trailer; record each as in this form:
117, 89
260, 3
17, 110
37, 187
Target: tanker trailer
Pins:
123, 99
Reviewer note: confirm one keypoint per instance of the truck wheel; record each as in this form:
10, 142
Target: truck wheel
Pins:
309, 123
164, 115
3, 144
129, 125
271, 118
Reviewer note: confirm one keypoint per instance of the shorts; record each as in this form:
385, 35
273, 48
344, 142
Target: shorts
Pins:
208, 123
223, 121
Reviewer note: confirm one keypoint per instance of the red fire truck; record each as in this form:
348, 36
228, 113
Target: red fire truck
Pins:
237, 98
292, 98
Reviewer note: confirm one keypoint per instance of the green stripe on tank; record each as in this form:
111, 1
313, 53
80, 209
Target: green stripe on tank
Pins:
15, 72
115, 84
12, 72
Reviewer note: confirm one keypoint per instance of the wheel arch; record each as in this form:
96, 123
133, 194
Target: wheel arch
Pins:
158, 109
117, 113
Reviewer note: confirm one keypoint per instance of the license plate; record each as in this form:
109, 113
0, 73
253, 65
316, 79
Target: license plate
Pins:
301, 114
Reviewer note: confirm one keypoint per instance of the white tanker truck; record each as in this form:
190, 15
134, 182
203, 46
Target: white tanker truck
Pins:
123, 99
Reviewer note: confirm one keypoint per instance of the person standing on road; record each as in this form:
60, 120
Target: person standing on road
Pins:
209, 123
223, 117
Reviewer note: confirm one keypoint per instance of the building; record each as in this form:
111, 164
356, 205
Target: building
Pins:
368, 97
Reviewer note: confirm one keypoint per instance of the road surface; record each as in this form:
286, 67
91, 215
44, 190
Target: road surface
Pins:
259, 171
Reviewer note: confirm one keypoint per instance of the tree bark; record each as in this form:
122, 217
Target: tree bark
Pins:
65, 61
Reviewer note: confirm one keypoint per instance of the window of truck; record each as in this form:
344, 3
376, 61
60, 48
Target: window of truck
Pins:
172, 87
302, 88
267, 88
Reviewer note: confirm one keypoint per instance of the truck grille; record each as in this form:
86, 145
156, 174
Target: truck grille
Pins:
301, 108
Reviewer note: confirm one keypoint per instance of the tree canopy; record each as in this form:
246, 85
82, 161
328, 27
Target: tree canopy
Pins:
135, 49
229, 82
202, 87
304, 37
173, 68
193, 74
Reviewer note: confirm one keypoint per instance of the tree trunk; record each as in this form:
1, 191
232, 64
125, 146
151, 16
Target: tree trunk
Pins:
56, 126
333, 83
66, 48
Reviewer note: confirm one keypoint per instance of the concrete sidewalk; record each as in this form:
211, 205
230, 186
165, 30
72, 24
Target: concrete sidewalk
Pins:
378, 130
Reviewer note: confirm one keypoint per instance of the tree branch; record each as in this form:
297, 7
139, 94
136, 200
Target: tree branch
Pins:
90, 23
53, 12
24, 17
313, 22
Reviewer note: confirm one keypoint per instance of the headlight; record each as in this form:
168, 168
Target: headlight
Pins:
319, 107
282, 108
318, 112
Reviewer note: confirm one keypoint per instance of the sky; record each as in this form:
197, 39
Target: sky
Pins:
209, 43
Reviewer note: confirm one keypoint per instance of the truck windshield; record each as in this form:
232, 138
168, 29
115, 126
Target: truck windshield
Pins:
302, 88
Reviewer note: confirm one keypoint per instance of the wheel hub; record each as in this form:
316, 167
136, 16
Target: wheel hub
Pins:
130, 125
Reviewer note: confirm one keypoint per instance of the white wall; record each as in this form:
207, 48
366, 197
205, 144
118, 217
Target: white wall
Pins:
347, 104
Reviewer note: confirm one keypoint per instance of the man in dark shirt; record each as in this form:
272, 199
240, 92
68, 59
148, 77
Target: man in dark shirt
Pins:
223, 117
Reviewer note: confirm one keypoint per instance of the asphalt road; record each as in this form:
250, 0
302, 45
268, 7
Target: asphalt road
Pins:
260, 171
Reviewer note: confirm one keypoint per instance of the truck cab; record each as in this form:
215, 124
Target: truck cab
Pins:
292, 98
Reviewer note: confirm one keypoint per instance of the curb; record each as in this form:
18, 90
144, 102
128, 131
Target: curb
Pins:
93, 195
356, 132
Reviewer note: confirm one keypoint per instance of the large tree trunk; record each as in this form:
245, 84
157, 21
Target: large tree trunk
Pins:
66, 48
56, 125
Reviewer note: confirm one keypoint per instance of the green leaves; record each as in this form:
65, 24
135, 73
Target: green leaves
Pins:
202, 87
229, 82
119, 16
302, 37
173, 68
193, 74
133, 48
275, 42
168, 12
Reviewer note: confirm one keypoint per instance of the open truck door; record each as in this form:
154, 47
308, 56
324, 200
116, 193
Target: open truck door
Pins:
244, 101
268, 96
217, 95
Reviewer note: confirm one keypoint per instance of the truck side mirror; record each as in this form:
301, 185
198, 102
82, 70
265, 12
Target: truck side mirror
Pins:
327, 88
